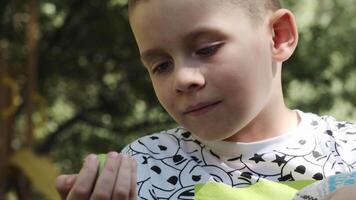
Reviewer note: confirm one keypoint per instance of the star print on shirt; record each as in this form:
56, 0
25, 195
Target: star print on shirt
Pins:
258, 158
280, 160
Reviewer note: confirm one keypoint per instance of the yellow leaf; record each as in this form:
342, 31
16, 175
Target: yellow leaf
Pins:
39, 170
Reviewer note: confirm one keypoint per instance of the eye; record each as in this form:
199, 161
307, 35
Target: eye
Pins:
162, 67
209, 50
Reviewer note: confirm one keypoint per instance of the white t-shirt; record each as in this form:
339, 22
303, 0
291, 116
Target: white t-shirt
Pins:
172, 162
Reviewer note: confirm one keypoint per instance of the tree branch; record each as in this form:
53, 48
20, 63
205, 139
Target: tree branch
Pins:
47, 144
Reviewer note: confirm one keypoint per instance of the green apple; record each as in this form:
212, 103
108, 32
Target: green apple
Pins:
102, 159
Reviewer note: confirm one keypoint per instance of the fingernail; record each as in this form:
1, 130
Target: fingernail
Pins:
113, 155
91, 158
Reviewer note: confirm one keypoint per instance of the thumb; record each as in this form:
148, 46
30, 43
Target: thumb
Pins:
64, 184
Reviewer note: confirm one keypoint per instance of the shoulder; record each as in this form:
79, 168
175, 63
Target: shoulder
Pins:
340, 126
328, 124
161, 143
326, 121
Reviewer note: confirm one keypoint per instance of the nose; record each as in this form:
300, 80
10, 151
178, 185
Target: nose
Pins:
189, 79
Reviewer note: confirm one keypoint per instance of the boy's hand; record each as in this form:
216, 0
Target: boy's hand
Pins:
116, 181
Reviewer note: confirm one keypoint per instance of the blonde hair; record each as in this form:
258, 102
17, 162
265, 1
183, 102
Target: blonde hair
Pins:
255, 8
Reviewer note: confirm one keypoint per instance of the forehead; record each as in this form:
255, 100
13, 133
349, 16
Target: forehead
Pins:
164, 12
167, 20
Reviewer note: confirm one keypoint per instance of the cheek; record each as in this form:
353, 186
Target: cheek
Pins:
236, 74
260, 65
245, 73
163, 94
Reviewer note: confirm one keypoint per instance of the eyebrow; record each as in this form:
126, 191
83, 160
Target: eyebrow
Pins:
191, 36
198, 32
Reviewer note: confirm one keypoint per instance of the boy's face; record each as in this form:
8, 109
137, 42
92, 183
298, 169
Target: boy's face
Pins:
209, 63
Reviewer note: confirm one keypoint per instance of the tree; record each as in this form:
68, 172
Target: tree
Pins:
321, 75
91, 94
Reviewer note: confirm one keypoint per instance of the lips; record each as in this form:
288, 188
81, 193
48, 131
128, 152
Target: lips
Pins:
201, 108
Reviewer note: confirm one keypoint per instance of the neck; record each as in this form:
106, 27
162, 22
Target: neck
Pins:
268, 124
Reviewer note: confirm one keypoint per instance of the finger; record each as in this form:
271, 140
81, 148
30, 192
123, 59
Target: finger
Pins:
106, 181
343, 193
85, 181
133, 179
64, 183
123, 182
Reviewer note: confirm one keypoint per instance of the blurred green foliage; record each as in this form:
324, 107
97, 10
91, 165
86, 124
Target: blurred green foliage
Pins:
96, 96
321, 77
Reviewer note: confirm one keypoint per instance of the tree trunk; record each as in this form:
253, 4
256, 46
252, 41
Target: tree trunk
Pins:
24, 186
6, 123
31, 66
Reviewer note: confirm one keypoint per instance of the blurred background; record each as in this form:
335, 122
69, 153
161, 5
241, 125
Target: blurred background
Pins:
71, 83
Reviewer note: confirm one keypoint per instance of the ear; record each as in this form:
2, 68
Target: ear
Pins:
284, 34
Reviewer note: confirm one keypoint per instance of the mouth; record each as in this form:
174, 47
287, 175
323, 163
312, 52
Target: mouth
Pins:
201, 108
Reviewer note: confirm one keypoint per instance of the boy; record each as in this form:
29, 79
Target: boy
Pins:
216, 67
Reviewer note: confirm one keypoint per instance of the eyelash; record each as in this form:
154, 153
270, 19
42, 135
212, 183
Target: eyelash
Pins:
160, 68
211, 50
